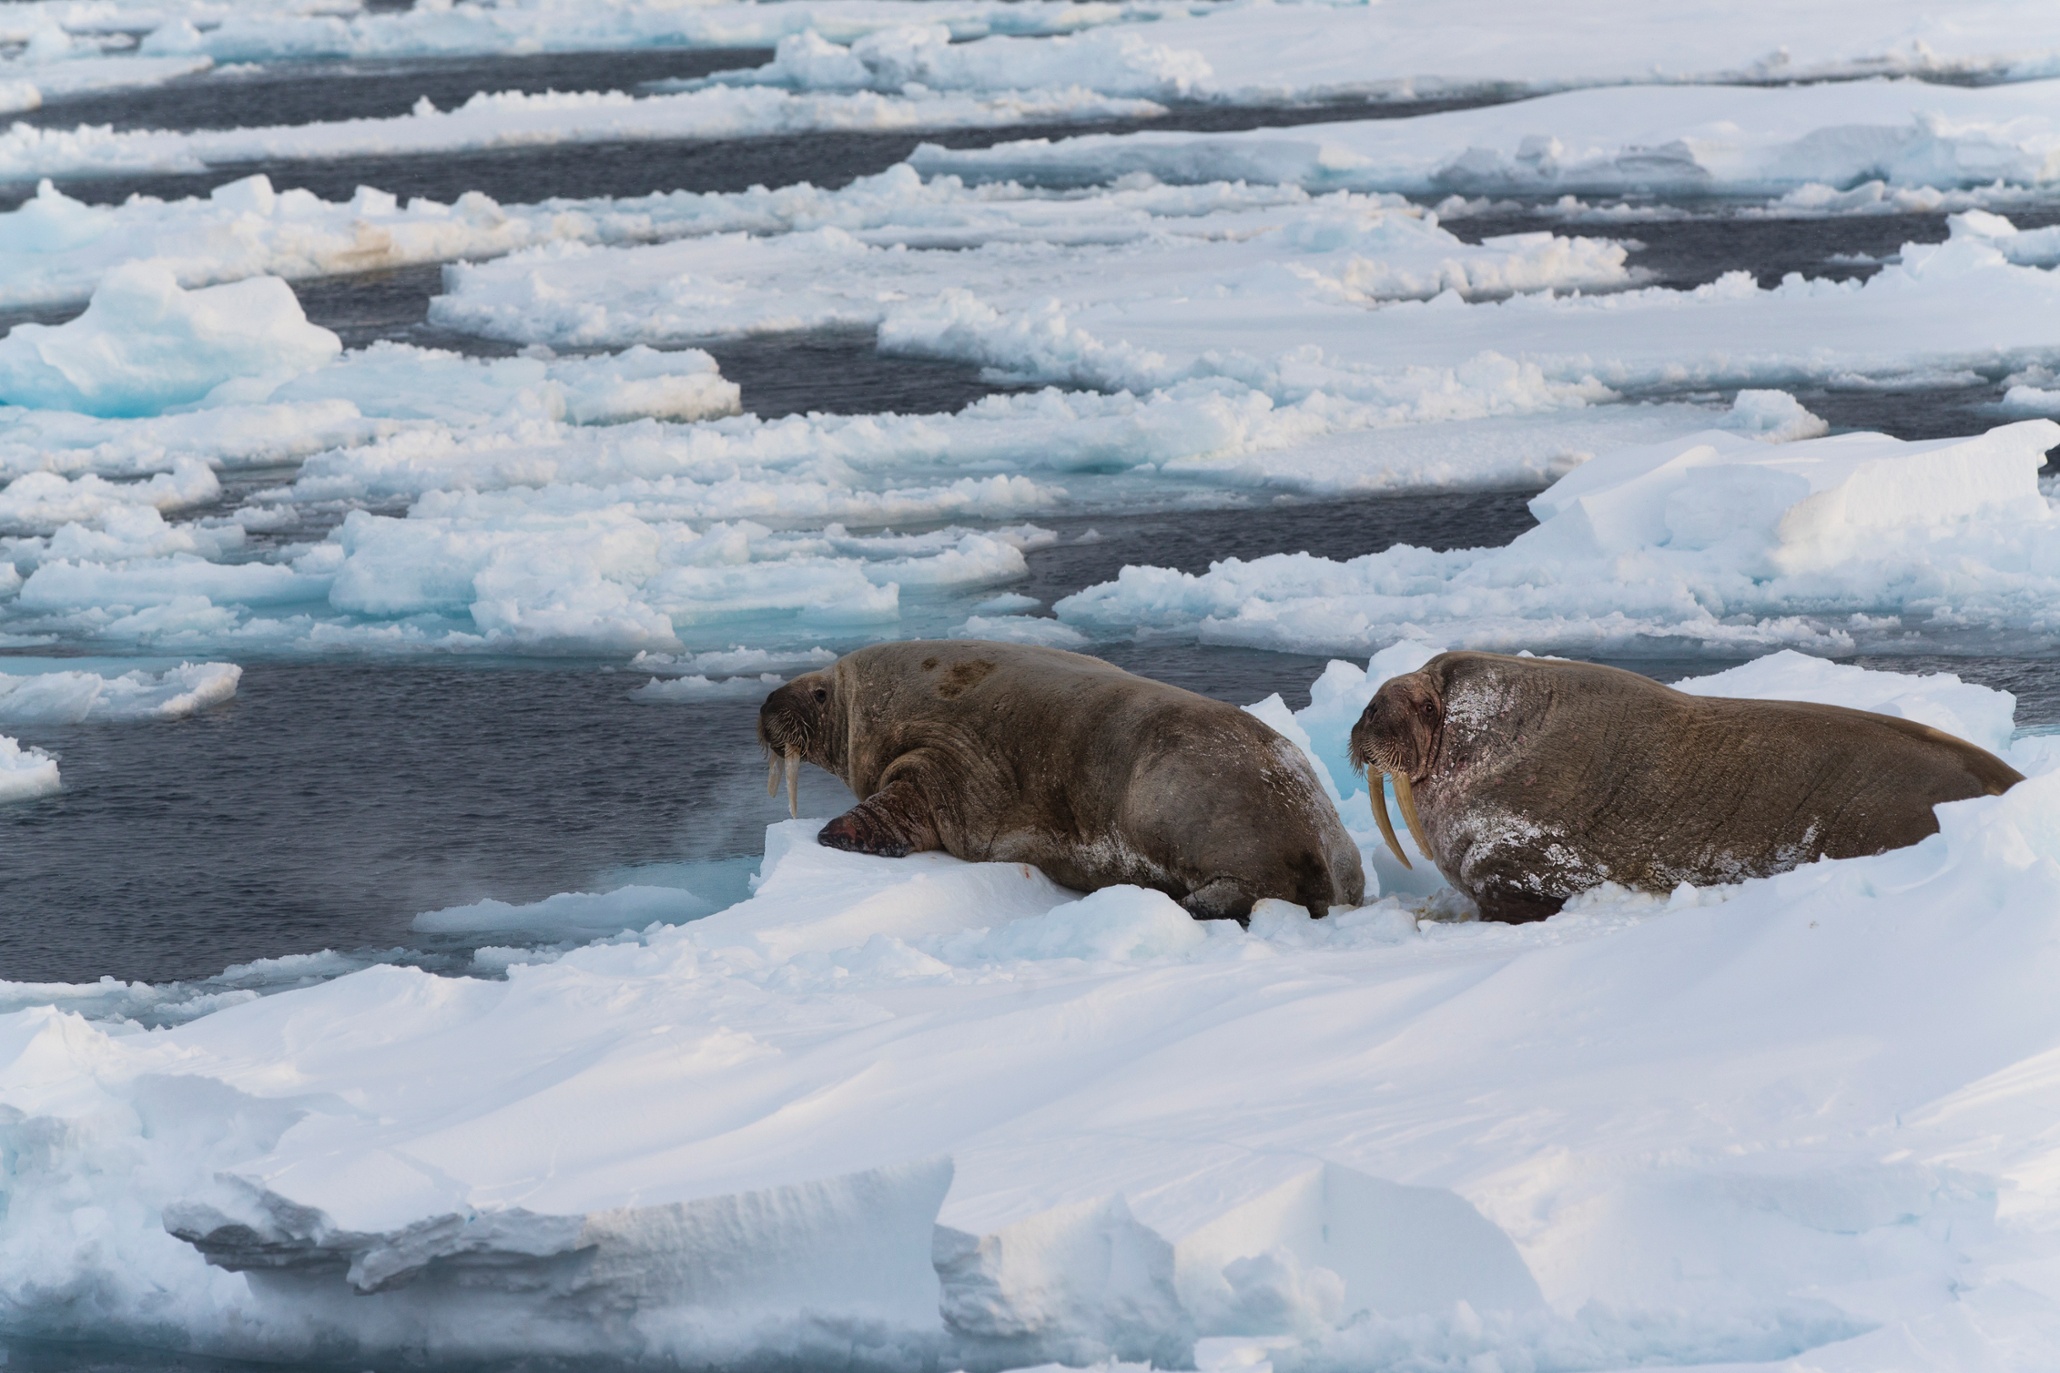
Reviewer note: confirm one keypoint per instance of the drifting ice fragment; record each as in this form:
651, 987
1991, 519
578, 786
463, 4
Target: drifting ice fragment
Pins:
25, 773
144, 345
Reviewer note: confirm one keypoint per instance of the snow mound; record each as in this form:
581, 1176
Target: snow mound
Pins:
1711, 541
921, 1110
25, 773
144, 345
61, 697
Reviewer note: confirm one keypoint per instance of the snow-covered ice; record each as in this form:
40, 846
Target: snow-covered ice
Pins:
517, 119
1715, 541
1126, 247
1228, 52
59, 695
919, 1110
1271, 53
1265, 291
1695, 140
25, 773
255, 33
144, 344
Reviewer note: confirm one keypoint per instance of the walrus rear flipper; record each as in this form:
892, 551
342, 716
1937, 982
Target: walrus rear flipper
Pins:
891, 823
1223, 899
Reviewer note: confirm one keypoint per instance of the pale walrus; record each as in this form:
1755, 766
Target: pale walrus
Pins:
1529, 780
1012, 753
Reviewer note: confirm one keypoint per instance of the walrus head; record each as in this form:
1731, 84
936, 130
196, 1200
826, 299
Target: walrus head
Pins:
799, 724
1397, 737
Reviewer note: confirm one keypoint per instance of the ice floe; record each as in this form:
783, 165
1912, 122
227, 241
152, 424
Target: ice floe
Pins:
1125, 248
1274, 53
145, 344
1283, 302
56, 695
1715, 541
926, 1110
515, 119
246, 34
25, 773
1669, 139
1228, 52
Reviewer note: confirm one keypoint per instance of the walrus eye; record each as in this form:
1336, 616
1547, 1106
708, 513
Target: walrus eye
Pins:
821, 694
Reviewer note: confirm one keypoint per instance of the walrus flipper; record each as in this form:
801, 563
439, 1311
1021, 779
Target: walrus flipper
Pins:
891, 823
1223, 899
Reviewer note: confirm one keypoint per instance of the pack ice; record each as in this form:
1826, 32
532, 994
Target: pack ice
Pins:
891, 1112
1715, 540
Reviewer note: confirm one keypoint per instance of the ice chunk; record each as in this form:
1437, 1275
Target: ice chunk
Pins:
67, 697
1804, 505
25, 773
1710, 539
144, 345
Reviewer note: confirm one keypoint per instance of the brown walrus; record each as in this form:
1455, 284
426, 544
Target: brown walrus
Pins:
1528, 780
1012, 753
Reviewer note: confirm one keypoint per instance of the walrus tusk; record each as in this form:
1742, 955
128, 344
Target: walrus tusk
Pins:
772, 777
793, 782
1408, 800
1377, 793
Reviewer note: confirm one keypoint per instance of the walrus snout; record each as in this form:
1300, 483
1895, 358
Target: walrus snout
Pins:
794, 728
1397, 737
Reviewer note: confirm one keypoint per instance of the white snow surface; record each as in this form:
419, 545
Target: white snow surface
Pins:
1710, 542
919, 1109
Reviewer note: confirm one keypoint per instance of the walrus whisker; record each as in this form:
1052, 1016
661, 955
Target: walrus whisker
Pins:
1407, 797
793, 784
772, 776
1377, 792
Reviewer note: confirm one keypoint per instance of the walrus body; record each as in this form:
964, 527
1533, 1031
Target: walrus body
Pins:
1006, 752
1535, 779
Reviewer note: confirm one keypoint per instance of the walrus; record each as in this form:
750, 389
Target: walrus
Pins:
1528, 780
1020, 754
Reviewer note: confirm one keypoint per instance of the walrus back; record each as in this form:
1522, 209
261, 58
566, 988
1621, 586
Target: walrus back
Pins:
1555, 776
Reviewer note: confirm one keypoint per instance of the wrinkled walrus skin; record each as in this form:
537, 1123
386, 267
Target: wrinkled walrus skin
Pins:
1012, 753
1536, 779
